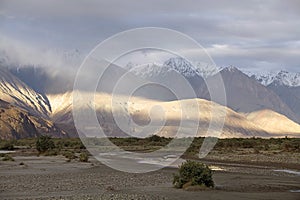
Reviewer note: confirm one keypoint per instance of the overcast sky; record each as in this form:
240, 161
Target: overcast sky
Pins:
253, 35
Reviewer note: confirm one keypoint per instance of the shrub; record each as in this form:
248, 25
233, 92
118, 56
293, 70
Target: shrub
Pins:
51, 152
291, 146
256, 150
193, 173
7, 145
83, 157
266, 147
69, 155
44, 143
7, 157
248, 144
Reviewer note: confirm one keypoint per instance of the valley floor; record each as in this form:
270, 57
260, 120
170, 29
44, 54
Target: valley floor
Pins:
54, 178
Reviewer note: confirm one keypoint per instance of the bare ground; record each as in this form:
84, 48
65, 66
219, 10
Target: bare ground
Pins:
54, 178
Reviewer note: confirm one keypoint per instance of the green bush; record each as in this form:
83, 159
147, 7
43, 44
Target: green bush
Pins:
51, 152
193, 173
83, 157
291, 146
69, 155
7, 145
44, 143
7, 157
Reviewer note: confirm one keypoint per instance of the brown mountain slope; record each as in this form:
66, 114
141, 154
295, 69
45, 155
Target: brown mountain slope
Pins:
16, 123
274, 123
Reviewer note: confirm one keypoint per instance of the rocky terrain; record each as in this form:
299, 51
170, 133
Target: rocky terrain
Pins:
54, 178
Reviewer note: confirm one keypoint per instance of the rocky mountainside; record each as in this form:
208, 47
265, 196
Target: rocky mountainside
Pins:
24, 112
289, 95
16, 92
16, 123
245, 94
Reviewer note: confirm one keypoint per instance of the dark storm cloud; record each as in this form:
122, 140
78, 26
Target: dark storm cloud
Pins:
250, 34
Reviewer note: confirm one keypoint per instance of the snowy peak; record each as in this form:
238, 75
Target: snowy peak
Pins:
182, 66
178, 64
190, 69
147, 70
231, 69
282, 77
287, 79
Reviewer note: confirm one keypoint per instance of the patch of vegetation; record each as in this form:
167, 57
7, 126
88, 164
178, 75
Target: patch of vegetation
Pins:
6, 145
83, 157
71, 143
51, 152
7, 157
70, 155
44, 143
192, 173
291, 145
151, 143
242, 146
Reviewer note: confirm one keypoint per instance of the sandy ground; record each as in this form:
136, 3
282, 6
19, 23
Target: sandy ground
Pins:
54, 178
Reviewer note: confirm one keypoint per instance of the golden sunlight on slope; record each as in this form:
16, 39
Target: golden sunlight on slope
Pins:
274, 123
144, 112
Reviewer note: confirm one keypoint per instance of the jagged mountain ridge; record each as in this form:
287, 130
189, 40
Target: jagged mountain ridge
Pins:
190, 69
283, 78
180, 65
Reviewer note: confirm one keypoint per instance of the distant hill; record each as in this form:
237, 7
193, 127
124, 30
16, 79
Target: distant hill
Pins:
274, 123
236, 125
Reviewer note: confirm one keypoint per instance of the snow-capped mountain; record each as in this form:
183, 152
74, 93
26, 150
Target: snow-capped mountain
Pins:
178, 64
147, 70
182, 66
282, 77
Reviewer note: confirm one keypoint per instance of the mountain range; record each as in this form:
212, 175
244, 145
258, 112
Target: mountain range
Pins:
244, 93
257, 105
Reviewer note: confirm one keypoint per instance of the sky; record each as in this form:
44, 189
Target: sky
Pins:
252, 35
